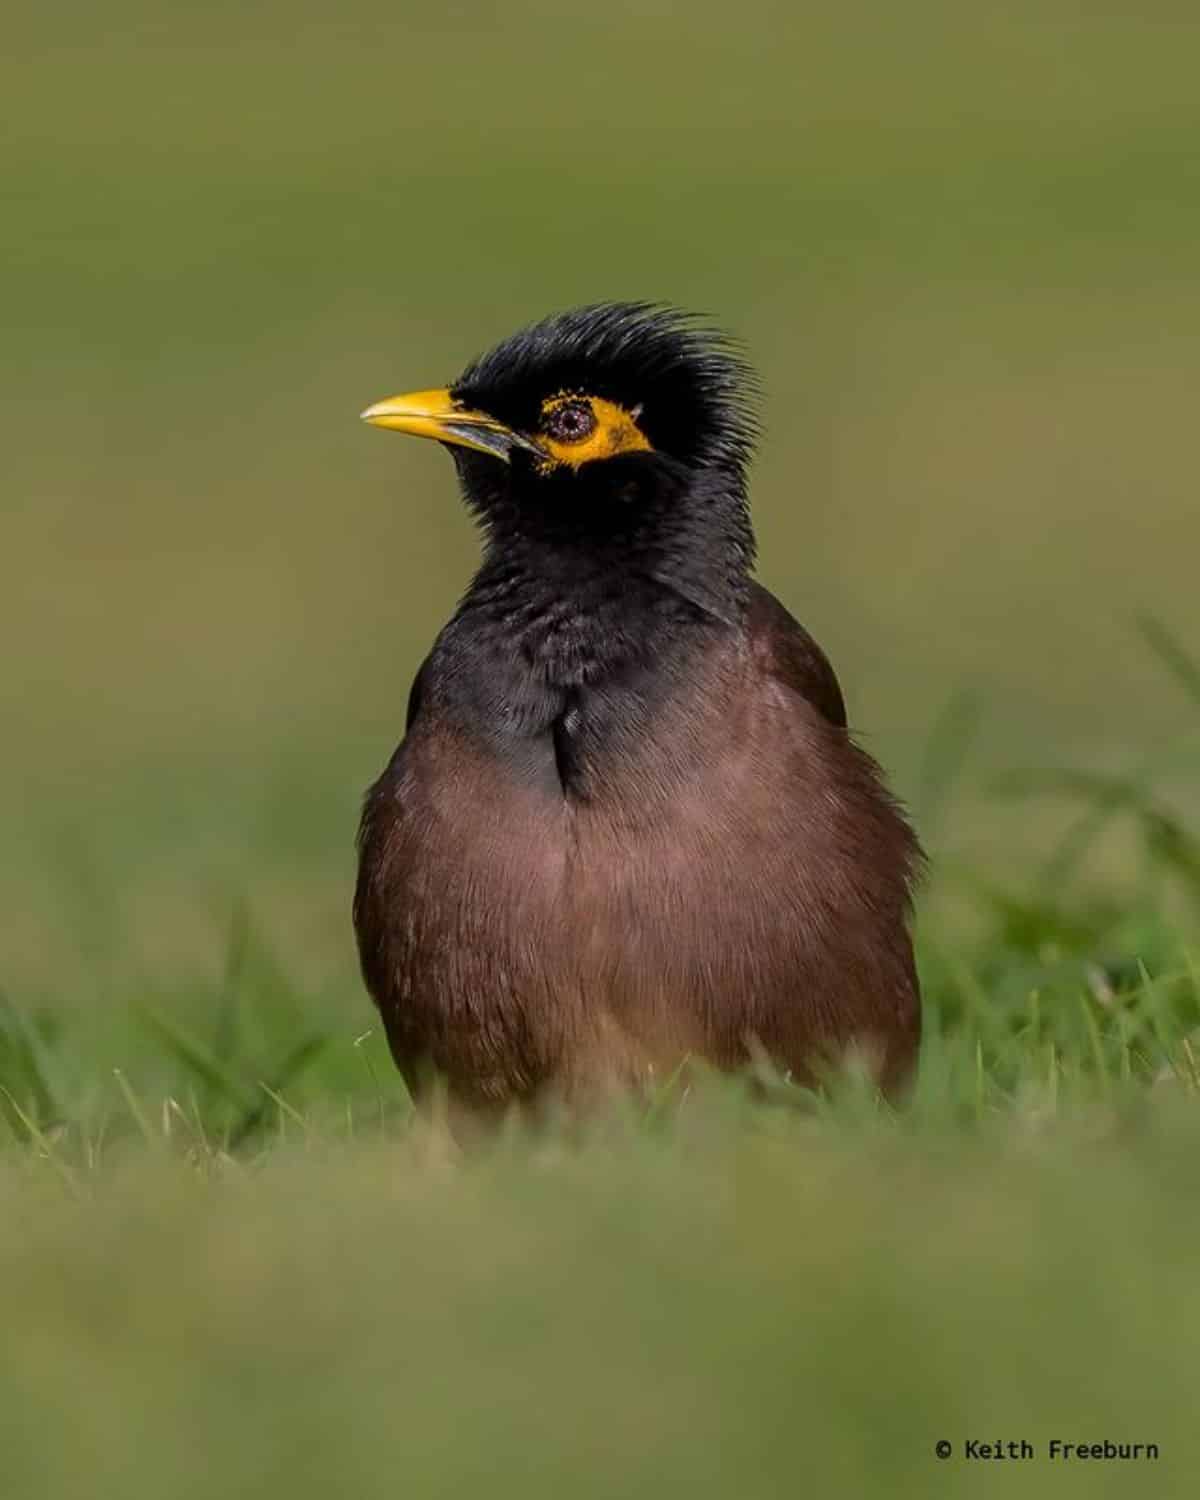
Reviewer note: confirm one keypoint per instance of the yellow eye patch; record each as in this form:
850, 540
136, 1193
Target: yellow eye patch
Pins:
576, 429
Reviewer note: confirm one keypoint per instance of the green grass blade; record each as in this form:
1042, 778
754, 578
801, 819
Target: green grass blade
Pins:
24, 1065
1178, 661
300, 1057
197, 1059
947, 750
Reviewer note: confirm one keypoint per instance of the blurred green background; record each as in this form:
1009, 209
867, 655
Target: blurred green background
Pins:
960, 244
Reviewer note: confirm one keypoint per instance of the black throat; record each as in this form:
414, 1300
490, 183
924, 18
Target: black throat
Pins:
588, 610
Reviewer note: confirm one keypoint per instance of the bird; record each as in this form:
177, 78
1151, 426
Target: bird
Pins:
627, 828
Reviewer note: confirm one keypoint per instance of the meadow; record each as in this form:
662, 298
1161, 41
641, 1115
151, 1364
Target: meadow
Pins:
961, 250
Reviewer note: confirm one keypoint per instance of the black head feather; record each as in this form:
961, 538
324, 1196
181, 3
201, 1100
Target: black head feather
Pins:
634, 543
694, 392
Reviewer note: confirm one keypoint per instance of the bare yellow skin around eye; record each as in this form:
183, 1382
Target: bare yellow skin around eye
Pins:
616, 431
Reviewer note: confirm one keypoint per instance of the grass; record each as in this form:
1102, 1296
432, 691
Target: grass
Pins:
727, 1306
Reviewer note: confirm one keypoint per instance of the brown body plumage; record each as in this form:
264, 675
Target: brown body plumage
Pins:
627, 824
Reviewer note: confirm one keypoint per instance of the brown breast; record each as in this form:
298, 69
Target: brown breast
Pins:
734, 878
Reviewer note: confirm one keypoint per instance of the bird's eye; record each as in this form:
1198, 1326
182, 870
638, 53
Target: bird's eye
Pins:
571, 422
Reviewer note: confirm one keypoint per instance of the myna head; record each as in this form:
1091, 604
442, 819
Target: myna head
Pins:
593, 422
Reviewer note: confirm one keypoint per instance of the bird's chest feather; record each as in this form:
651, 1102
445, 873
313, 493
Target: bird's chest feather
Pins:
579, 895
579, 822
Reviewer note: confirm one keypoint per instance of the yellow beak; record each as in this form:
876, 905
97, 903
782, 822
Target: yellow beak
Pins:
435, 414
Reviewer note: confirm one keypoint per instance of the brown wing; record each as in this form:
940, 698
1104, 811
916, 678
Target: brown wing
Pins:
787, 651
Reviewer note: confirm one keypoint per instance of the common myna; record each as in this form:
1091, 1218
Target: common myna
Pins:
627, 824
